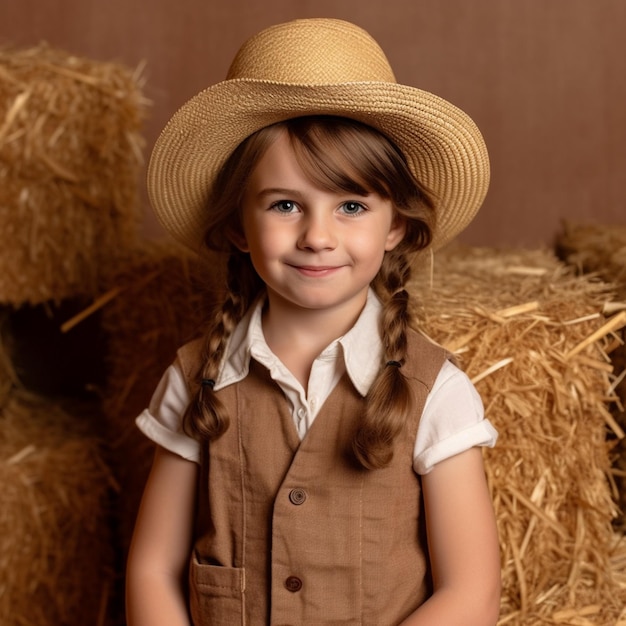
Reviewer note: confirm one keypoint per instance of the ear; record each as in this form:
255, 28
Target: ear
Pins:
238, 239
396, 232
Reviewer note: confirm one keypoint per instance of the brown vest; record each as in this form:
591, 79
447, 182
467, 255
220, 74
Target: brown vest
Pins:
292, 532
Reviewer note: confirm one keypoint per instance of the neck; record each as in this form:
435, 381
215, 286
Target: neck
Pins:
297, 336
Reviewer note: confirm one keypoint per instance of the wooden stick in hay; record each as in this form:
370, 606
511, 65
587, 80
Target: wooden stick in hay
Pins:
56, 553
517, 321
70, 156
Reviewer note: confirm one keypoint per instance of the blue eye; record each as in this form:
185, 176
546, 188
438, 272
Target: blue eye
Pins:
352, 208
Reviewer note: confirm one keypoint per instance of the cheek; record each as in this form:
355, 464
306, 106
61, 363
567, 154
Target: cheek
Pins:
369, 245
265, 243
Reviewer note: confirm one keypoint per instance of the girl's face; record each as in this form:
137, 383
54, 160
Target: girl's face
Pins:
313, 248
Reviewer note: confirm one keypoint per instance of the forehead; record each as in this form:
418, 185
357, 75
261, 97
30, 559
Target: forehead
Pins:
278, 161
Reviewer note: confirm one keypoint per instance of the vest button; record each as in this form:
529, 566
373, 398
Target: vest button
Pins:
297, 496
293, 584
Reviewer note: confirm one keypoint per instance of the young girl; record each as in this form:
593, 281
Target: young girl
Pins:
317, 459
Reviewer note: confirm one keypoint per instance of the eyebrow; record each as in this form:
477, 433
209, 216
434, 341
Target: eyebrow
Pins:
277, 191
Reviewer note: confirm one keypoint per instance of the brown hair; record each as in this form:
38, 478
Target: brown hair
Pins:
337, 154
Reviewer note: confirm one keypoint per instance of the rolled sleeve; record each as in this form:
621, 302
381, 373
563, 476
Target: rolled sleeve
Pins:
161, 422
453, 421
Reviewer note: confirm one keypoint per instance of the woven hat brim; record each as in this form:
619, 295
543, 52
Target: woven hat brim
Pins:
443, 147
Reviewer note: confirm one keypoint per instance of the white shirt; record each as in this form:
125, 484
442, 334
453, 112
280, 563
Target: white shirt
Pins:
452, 421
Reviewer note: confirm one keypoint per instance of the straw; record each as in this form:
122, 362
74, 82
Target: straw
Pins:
70, 157
533, 337
161, 297
601, 249
56, 549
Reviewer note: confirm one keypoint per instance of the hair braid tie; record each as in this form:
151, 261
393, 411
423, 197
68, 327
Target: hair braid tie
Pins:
393, 364
205, 383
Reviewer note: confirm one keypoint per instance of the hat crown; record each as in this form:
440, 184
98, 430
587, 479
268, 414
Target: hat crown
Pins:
316, 51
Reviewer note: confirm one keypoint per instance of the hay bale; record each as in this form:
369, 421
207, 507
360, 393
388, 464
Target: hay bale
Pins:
533, 337
596, 248
157, 299
56, 554
601, 250
70, 152
154, 300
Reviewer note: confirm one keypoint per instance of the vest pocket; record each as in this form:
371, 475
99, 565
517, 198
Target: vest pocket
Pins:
215, 593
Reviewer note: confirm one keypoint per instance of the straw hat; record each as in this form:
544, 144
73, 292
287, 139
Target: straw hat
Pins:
315, 67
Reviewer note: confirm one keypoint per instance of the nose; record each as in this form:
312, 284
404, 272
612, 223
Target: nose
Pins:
317, 232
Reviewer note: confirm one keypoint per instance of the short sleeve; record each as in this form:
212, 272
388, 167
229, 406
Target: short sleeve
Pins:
162, 420
452, 421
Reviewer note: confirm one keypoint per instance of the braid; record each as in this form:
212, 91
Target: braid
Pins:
205, 416
389, 401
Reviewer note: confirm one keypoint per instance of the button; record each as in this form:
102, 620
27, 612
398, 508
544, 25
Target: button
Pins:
301, 413
297, 496
293, 584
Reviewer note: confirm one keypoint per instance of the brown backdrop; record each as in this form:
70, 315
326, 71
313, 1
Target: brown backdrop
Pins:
544, 79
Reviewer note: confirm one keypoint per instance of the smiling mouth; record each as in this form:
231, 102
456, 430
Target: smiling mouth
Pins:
315, 270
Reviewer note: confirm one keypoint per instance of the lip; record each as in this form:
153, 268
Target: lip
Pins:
316, 271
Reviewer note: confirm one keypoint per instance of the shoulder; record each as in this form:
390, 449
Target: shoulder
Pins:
189, 358
425, 359
453, 384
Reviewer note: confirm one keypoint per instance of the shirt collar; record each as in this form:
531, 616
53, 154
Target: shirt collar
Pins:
361, 347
